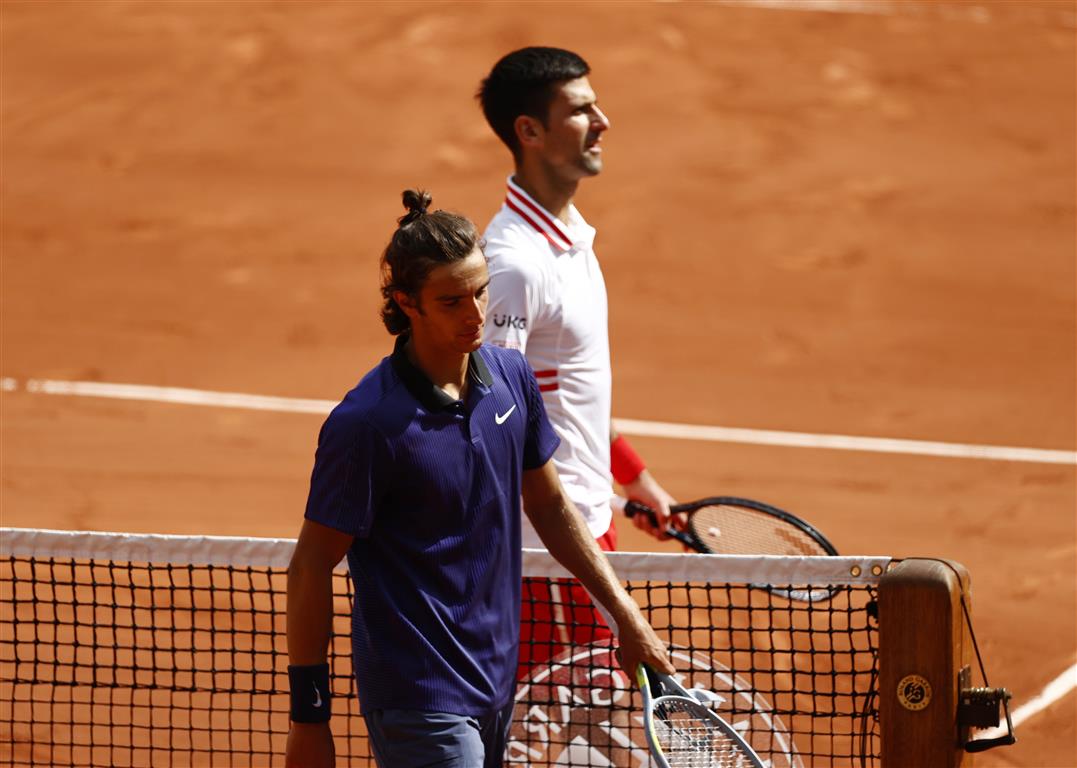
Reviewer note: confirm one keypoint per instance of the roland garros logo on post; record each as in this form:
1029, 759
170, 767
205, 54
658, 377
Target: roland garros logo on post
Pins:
579, 708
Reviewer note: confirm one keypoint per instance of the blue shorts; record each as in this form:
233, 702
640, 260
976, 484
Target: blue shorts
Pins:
411, 738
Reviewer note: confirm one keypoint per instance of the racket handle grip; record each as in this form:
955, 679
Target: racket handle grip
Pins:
647, 677
633, 508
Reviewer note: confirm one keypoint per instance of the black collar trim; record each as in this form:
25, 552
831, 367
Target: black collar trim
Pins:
432, 397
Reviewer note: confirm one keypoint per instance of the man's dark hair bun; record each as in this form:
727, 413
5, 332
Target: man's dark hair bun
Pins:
416, 201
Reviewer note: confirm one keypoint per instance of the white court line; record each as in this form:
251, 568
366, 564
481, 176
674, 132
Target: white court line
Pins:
1056, 689
844, 442
628, 426
878, 7
179, 395
980, 13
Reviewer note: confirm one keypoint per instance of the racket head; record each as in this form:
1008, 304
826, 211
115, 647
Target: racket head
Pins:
732, 525
683, 733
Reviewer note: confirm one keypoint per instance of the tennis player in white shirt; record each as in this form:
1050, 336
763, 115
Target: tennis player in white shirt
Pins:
548, 299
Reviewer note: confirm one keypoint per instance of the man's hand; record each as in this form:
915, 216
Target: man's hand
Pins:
310, 745
646, 490
639, 643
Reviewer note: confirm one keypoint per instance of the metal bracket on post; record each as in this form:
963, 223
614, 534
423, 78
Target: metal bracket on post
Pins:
978, 708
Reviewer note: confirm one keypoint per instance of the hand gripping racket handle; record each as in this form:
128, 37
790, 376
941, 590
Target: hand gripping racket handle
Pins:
633, 508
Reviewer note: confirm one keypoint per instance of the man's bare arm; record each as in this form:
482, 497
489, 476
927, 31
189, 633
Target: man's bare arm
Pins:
309, 628
559, 525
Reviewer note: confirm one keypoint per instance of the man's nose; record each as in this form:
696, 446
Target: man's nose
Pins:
477, 311
601, 120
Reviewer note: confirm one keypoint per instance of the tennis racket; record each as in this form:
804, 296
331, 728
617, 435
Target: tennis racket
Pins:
683, 733
730, 525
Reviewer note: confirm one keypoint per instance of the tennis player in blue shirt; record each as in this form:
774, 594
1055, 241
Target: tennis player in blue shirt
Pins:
418, 479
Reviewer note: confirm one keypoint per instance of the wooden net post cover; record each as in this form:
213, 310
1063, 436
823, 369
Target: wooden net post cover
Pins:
923, 647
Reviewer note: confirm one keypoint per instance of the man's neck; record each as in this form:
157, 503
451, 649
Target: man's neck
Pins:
553, 194
445, 370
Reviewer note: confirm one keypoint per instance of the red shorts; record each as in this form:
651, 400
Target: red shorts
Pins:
557, 613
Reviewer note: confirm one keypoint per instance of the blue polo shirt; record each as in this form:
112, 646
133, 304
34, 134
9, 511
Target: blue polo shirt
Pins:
430, 488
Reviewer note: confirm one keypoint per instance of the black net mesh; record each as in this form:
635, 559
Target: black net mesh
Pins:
108, 663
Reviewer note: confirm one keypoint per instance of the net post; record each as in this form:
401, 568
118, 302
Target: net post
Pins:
924, 649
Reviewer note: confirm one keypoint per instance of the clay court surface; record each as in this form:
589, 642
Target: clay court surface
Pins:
858, 222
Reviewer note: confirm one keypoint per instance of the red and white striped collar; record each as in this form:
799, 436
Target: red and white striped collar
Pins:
538, 217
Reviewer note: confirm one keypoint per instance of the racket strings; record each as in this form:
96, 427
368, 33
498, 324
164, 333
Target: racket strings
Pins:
691, 741
730, 530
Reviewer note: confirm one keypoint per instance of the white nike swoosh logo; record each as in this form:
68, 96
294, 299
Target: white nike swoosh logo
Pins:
317, 696
500, 418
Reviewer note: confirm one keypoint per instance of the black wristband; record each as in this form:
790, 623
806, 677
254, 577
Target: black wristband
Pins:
311, 695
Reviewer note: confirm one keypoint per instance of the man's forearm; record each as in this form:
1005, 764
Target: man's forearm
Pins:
563, 532
309, 628
309, 613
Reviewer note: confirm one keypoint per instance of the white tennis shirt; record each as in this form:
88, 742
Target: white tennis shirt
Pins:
548, 300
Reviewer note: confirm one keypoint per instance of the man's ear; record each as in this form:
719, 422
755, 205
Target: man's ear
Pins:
408, 303
529, 131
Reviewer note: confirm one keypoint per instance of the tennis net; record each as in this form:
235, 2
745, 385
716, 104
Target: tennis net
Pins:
150, 650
